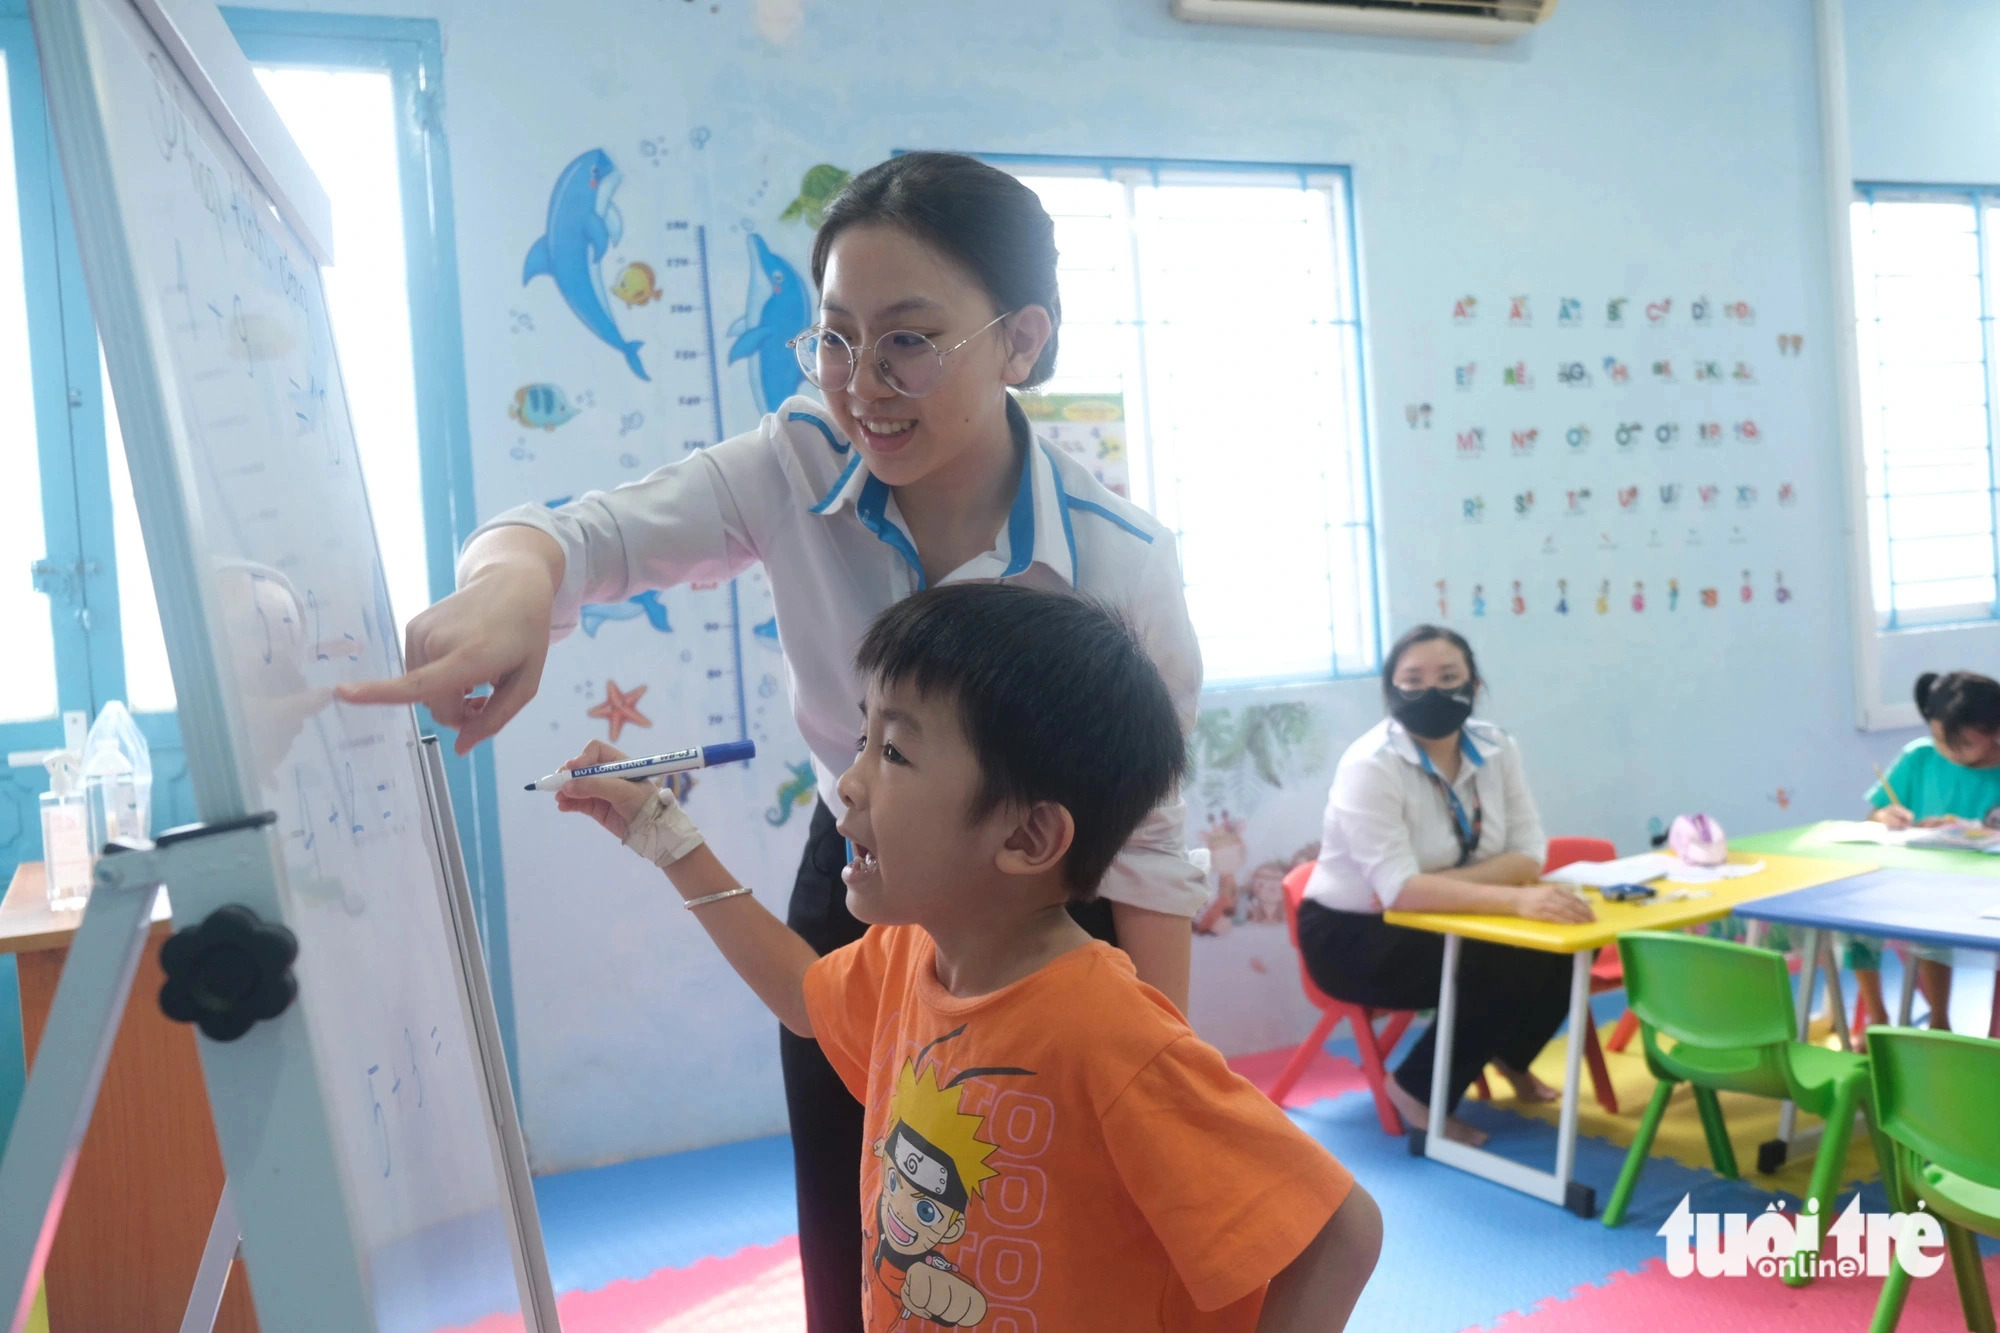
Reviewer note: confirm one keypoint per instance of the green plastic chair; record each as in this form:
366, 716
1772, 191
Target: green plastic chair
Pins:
1937, 1095
1728, 1008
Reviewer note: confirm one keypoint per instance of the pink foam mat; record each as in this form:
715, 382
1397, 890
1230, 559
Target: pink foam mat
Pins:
1652, 1300
755, 1290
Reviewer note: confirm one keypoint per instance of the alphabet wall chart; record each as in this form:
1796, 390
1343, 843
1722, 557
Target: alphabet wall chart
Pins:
1616, 454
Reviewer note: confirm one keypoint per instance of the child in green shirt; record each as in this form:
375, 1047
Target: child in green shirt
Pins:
1952, 777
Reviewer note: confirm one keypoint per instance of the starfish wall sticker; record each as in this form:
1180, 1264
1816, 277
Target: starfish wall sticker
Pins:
620, 707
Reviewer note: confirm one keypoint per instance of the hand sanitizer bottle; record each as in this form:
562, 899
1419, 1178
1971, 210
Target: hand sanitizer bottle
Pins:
117, 779
65, 844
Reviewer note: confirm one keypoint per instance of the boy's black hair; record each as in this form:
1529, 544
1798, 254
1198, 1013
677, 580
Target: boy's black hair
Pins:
1957, 700
1057, 698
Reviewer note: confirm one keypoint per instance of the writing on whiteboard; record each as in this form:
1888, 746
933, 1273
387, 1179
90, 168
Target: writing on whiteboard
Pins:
173, 133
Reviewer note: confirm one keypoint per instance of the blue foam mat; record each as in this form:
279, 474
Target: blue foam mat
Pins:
1460, 1252
635, 1218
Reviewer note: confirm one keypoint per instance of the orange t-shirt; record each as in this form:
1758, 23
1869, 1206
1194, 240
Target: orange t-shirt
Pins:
1063, 1153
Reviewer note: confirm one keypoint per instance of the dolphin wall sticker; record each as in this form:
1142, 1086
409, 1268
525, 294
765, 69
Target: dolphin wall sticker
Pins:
781, 310
583, 224
647, 604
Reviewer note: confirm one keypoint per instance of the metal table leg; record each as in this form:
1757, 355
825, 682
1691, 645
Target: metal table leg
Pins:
1558, 1187
1771, 1155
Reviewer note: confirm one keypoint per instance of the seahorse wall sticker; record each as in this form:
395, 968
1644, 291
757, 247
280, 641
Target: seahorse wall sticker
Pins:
795, 793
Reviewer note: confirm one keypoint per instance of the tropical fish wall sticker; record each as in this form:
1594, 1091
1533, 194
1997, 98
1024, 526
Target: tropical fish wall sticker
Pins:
540, 405
584, 223
816, 191
647, 604
635, 285
778, 310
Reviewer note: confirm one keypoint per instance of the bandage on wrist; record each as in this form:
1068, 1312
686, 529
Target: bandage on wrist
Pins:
662, 832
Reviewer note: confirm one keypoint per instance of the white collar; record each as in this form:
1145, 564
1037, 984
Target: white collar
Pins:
1037, 530
1473, 742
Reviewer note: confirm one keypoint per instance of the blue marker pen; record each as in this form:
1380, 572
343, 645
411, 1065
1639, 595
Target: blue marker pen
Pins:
679, 761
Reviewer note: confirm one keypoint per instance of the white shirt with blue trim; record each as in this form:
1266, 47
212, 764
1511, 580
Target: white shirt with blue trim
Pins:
1386, 819
795, 495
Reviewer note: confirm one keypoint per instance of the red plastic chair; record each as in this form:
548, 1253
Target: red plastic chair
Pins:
1606, 972
1359, 1018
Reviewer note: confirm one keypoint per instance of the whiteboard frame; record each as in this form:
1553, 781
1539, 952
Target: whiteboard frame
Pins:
265, 1093
200, 43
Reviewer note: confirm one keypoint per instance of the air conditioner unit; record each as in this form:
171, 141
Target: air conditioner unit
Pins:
1451, 20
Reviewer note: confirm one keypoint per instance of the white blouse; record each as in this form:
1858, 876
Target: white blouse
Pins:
1386, 820
796, 495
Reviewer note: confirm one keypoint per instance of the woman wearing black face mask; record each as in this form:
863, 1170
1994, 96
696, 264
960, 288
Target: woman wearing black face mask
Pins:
1429, 812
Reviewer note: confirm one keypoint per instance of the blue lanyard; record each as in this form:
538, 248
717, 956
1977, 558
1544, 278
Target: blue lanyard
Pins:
1467, 828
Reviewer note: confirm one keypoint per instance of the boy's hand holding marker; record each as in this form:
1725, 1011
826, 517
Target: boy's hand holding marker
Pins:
643, 814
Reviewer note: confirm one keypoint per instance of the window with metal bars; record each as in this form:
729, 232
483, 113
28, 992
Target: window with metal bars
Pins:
1924, 297
1218, 303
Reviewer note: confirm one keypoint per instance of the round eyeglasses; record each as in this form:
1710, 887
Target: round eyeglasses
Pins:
907, 362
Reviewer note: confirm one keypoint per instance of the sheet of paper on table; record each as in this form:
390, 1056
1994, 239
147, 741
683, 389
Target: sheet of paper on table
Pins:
1644, 867
1687, 874
1625, 870
1964, 836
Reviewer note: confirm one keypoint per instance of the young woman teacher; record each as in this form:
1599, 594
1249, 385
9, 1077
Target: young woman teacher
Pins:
937, 279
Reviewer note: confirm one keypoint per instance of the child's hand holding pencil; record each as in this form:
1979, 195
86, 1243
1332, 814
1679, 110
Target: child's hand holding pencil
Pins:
1894, 815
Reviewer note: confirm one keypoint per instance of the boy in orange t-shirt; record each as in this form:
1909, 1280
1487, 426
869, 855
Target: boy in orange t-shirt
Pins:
1049, 1145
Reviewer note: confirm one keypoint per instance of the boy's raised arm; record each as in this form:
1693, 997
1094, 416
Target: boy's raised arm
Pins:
765, 952
1315, 1293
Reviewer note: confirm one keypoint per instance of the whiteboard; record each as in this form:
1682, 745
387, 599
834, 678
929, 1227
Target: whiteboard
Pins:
367, 1131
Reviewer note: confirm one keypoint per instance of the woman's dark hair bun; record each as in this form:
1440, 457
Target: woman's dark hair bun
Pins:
1924, 684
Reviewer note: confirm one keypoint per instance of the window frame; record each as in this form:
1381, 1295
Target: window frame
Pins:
411, 52
1128, 170
69, 409
1887, 619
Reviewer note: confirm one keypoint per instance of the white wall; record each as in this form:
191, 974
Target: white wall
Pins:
1921, 93
1644, 151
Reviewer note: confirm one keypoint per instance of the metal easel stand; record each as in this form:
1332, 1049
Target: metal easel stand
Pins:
90, 1001
225, 1239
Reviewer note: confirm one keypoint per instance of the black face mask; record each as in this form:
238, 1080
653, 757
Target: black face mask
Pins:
1434, 713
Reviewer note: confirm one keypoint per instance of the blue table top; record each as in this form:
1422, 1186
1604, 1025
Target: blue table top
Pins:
1927, 907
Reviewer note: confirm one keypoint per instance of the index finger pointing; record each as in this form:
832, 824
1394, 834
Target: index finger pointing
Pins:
404, 689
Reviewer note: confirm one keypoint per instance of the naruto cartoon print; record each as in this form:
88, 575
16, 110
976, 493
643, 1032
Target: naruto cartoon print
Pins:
933, 1168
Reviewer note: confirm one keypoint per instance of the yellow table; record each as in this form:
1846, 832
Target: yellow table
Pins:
1677, 905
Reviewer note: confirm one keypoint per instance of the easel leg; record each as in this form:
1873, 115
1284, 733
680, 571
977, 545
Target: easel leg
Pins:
62, 1088
205, 1301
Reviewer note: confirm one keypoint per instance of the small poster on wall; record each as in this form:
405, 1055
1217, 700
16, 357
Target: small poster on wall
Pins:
1089, 427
